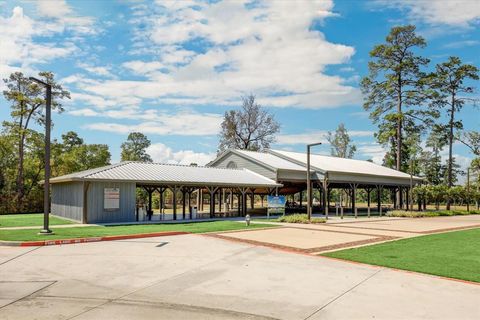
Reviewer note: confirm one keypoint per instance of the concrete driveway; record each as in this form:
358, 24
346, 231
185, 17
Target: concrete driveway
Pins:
199, 277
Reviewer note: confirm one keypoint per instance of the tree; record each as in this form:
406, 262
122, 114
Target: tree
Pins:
27, 99
340, 142
250, 128
431, 160
135, 148
71, 140
395, 86
448, 81
471, 139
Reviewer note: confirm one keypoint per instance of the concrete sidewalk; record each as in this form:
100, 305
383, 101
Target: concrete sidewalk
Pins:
198, 277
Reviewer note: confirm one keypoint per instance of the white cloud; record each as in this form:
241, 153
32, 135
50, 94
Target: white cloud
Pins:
460, 13
373, 151
183, 123
461, 44
19, 51
64, 16
315, 136
266, 48
163, 154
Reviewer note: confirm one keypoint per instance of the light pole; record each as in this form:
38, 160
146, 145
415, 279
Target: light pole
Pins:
468, 189
309, 184
46, 185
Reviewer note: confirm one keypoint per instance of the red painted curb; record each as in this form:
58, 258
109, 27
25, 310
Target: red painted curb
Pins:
96, 239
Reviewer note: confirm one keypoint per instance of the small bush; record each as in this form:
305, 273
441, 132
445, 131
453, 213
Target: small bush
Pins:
423, 214
300, 218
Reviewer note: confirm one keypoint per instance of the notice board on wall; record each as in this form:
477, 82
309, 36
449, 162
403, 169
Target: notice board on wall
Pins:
111, 198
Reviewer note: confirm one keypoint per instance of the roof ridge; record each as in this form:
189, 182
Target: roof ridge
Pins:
183, 165
109, 167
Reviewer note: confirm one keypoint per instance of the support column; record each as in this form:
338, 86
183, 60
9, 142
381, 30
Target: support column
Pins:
252, 199
300, 200
368, 200
239, 206
379, 198
325, 196
174, 202
212, 192
354, 196
183, 203
407, 198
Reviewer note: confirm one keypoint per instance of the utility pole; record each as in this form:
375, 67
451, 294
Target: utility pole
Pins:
309, 184
410, 200
46, 185
468, 189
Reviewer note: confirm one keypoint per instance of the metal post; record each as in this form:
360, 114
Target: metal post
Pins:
309, 186
468, 189
46, 186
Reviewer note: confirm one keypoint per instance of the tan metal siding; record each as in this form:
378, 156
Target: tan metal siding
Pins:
95, 202
67, 200
246, 163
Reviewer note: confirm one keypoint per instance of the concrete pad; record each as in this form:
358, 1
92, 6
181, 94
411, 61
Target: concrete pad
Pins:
11, 291
48, 308
398, 295
262, 282
7, 253
298, 238
195, 277
144, 310
347, 229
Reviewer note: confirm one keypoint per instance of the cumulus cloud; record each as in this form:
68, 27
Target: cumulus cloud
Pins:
266, 48
315, 136
373, 151
460, 13
184, 123
163, 154
18, 49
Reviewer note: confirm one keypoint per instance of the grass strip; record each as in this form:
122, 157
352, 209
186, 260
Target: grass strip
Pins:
29, 220
99, 231
453, 254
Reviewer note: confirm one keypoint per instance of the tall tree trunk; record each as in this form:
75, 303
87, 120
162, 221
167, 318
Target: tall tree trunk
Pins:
450, 147
399, 134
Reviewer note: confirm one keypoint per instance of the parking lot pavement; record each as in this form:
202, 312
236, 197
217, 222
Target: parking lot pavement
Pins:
198, 277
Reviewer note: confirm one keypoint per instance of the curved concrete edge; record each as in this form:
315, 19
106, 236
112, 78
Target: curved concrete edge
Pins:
90, 239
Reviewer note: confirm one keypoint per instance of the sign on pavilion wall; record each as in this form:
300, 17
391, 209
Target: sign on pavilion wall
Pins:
111, 198
276, 204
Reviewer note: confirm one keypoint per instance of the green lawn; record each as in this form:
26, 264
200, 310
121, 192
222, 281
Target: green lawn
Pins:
454, 254
28, 220
81, 232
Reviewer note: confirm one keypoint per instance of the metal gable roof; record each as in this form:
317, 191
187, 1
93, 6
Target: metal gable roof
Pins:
343, 165
272, 160
144, 172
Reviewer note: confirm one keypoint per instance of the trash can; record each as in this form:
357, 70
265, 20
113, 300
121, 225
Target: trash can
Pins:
194, 212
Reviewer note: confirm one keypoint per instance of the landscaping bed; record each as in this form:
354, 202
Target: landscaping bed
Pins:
423, 214
300, 218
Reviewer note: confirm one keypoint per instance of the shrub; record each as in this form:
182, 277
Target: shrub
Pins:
423, 214
300, 218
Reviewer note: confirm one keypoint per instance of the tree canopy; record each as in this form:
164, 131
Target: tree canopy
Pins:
135, 148
250, 128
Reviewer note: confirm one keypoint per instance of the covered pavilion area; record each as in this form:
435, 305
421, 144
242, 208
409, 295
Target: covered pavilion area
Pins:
109, 194
332, 177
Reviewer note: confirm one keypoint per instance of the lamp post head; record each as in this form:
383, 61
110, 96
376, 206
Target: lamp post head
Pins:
43, 83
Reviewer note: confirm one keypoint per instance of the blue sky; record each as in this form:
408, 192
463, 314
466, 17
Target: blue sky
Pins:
170, 69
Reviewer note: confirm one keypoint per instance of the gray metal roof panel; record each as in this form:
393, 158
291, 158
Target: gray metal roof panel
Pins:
168, 173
